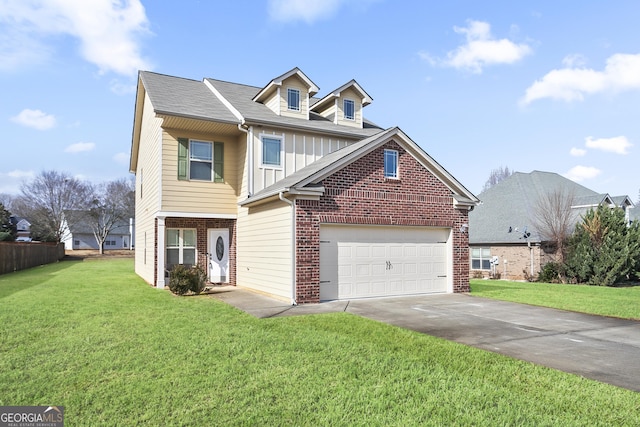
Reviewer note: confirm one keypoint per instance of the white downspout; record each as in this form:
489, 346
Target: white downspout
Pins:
293, 246
249, 157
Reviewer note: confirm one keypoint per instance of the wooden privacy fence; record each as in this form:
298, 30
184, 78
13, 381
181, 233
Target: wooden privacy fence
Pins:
20, 255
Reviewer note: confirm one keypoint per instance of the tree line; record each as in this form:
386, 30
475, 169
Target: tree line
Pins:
54, 202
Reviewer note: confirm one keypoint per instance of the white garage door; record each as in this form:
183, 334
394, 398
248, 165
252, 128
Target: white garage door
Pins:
373, 261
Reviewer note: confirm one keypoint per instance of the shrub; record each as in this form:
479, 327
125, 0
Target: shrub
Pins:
550, 273
183, 279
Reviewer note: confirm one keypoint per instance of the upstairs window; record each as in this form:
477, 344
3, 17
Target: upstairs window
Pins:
271, 151
391, 164
349, 108
293, 99
200, 160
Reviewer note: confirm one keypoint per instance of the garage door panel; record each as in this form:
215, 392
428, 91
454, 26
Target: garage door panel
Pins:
383, 261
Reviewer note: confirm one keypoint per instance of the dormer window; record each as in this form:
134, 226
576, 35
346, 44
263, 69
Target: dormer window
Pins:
349, 108
293, 99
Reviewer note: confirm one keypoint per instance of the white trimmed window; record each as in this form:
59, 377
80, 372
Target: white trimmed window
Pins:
349, 108
391, 164
271, 151
181, 247
293, 99
200, 160
481, 258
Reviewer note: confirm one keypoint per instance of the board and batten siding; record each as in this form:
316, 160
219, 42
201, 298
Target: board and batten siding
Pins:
300, 150
147, 191
195, 196
264, 249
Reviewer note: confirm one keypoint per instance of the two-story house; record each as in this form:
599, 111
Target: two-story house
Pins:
289, 194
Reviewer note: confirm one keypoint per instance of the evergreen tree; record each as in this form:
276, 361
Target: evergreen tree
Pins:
604, 250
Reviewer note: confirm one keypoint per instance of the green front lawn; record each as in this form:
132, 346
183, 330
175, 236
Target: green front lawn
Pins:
93, 337
623, 302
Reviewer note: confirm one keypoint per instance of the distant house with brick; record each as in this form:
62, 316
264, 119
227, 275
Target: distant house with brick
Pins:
290, 194
503, 238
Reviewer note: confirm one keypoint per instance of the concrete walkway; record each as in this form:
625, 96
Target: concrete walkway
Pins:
596, 347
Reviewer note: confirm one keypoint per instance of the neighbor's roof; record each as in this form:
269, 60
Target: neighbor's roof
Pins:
512, 203
309, 177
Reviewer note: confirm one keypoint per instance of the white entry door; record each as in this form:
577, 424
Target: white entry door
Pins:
375, 261
218, 255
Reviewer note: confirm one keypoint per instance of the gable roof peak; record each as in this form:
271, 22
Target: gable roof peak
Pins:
312, 88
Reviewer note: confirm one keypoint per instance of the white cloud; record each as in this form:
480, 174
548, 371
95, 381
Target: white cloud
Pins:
618, 144
121, 158
577, 152
581, 173
35, 119
621, 73
20, 174
308, 11
574, 60
302, 10
80, 147
120, 88
481, 49
108, 31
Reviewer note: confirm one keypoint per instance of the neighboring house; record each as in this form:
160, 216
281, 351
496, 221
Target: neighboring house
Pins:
23, 228
80, 236
502, 235
291, 195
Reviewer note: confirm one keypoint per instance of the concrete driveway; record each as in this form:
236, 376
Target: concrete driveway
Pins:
596, 347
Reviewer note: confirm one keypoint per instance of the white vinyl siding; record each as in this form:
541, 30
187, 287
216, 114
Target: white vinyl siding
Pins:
146, 207
263, 248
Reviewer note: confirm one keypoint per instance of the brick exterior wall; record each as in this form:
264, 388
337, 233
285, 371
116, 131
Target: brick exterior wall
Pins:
360, 194
202, 225
518, 265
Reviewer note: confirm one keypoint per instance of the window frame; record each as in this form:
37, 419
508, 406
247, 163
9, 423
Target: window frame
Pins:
353, 109
280, 140
181, 246
193, 159
395, 174
290, 105
482, 260
185, 159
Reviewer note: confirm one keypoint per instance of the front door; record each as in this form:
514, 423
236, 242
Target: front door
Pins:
218, 255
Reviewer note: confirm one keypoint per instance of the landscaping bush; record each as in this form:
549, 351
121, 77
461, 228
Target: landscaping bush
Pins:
183, 279
550, 273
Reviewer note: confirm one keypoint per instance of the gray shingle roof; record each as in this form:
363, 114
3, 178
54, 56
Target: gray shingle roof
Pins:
184, 97
512, 203
241, 97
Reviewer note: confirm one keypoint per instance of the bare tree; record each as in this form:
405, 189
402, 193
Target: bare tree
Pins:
496, 176
112, 203
7, 200
554, 219
49, 200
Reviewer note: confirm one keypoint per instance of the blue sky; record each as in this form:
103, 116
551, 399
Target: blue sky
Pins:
528, 85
